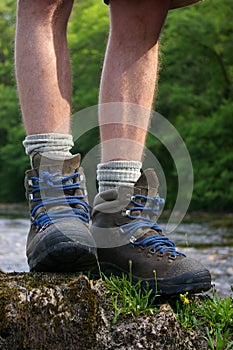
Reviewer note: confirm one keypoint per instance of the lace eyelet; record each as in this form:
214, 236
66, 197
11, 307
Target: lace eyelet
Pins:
30, 183
125, 213
132, 239
128, 196
172, 257
160, 254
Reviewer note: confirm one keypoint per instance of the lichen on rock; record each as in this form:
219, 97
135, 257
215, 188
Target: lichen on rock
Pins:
59, 311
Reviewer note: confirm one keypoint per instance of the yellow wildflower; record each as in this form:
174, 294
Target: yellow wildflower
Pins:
184, 298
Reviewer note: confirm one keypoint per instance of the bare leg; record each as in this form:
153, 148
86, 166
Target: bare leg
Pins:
129, 76
130, 233
42, 65
54, 243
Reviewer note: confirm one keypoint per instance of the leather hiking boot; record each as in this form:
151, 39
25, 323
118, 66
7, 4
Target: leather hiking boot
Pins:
59, 239
125, 229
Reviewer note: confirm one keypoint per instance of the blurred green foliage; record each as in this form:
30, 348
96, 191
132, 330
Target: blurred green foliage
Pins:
195, 95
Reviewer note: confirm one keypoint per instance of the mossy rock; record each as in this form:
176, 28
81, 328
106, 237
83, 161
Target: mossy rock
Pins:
58, 311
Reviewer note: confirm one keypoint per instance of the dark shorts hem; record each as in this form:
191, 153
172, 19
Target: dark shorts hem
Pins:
174, 3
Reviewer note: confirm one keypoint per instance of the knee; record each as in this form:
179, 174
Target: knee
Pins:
42, 9
138, 19
33, 6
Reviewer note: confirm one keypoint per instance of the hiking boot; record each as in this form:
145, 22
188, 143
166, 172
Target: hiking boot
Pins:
59, 239
125, 229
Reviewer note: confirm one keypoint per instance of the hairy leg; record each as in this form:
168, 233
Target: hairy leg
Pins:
42, 65
129, 76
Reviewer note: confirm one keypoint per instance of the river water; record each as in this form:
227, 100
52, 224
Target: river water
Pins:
212, 246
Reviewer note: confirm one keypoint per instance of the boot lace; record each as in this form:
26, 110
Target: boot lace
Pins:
58, 184
157, 242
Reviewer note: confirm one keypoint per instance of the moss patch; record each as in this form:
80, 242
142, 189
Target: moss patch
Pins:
68, 311
41, 311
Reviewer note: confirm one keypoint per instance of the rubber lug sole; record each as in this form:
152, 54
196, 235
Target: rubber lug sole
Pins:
61, 254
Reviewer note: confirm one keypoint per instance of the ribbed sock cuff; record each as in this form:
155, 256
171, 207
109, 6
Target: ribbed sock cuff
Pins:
117, 173
59, 144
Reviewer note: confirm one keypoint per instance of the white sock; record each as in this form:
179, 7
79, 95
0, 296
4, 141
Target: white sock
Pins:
117, 173
54, 144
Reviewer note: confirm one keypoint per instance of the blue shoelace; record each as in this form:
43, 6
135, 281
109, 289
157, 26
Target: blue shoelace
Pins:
58, 184
156, 242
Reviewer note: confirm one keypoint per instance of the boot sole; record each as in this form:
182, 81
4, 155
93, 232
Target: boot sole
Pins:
57, 253
193, 281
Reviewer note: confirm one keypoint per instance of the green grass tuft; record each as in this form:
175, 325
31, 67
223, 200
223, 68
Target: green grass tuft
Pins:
128, 298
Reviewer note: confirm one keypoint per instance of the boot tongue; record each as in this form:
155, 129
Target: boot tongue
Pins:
60, 167
147, 184
53, 164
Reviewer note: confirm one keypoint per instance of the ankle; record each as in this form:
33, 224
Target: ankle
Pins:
117, 173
